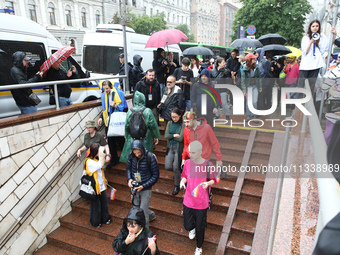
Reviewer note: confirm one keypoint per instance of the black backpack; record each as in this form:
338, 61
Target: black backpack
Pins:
137, 124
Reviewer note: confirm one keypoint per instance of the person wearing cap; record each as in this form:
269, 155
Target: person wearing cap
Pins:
18, 75
200, 130
55, 73
204, 86
122, 72
134, 237
251, 78
94, 136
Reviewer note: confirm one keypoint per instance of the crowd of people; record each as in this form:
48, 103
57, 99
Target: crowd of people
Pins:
172, 93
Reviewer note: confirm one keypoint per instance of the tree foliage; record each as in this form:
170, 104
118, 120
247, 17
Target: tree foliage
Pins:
116, 19
284, 17
148, 25
185, 29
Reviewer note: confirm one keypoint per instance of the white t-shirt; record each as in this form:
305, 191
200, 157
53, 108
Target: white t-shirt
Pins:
313, 59
195, 71
94, 166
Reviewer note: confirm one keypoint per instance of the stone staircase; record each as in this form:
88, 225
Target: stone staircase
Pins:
76, 236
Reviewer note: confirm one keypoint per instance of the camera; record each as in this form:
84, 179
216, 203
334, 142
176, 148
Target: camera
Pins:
315, 36
134, 186
166, 60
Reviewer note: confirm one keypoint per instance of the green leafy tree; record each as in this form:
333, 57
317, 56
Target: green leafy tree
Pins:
116, 19
148, 25
185, 29
284, 17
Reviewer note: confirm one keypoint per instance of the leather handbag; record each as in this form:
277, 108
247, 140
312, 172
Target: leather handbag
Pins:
34, 99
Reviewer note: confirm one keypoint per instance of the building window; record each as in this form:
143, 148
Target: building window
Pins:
134, 3
52, 15
68, 17
9, 5
33, 14
83, 19
97, 19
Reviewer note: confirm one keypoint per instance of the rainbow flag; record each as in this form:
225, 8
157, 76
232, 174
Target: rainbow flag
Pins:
218, 176
195, 191
113, 193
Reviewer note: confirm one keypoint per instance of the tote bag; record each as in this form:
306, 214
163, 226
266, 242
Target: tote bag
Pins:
117, 124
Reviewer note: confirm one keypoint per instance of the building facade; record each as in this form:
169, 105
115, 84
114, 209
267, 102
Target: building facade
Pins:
68, 20
205, 21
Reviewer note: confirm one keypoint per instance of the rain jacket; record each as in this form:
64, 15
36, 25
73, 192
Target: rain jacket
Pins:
19, 76
151, 124
140, 243
149, 173
122, 72
137, 70
159, 67
205, 135
245, 78
145, 88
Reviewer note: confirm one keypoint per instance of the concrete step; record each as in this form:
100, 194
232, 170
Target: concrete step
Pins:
49, 249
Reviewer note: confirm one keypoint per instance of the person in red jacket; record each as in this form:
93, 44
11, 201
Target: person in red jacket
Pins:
198, 129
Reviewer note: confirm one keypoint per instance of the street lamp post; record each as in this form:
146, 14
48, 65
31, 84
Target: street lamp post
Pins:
123, 23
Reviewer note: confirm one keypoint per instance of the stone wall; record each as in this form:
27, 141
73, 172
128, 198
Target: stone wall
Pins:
31, 154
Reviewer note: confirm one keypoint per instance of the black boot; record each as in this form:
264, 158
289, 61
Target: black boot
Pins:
176, 190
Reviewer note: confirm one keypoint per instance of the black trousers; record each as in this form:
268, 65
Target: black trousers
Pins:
311, 75
195, 218
99, 210
115, 142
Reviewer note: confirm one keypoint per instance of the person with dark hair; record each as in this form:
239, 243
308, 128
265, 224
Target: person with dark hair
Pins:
113, 100
204, 86
312, 50
183, 76
99, 208
18, 75
122, 72
173, 63
233, 65
137, 70
94, 136
149, 86
55, 73
251, 78
142, 172
220, 74
134, 237
174, 133
161, 66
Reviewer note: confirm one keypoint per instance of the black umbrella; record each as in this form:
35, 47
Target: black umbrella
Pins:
246, 42
2, 51
272, 39
192, 51
278, 49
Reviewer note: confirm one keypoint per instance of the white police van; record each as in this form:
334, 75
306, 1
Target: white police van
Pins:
21, 34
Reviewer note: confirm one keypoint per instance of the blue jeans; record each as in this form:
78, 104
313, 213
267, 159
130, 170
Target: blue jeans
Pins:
255, 94
161, 86
187, 104
292, 95
64, 101
27, 109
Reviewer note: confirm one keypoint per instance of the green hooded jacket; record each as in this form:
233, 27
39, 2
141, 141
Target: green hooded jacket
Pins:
151, 124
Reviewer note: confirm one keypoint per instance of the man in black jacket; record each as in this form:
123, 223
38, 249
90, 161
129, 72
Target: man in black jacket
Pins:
233, 65
137, 70
161, 67
55, 73
151, 90
19, 76
122, 72
142, 173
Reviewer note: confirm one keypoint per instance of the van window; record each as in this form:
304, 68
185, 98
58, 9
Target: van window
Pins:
36, 51
102, 59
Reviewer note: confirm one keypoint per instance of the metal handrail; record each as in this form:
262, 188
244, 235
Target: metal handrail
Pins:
328, 187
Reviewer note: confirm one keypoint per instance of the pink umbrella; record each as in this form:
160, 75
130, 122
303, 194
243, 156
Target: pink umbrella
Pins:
62, 54
165, 37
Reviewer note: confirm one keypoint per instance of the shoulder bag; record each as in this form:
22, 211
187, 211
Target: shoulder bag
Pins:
87, 186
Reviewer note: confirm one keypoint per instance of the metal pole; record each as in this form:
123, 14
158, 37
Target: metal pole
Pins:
123, 23
56, 96
331, 39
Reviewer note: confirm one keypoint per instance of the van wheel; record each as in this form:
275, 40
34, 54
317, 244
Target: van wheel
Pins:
91, 98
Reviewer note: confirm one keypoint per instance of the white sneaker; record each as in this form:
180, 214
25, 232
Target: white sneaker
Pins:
198, 251
192, 234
